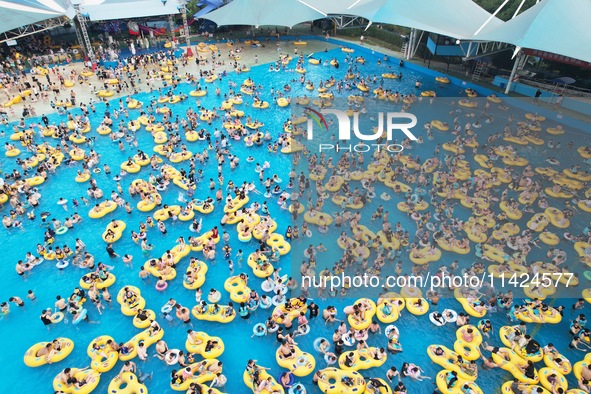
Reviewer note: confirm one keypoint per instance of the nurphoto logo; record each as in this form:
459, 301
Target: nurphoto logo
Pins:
392, 122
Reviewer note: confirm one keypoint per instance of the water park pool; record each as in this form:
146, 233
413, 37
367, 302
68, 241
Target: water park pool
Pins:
22, 328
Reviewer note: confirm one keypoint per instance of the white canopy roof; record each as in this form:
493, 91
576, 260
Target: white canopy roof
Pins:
454, 18
436, 16
340, 7
556, 26
121, 9
264, 13
18, 13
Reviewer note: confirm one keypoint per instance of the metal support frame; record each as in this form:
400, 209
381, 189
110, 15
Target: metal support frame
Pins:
413, 44
409, 44
518, 59
413, 49
86, 45
484, 48
483, 54
33, 29
467, 55
79, 37
557, 90
347, 21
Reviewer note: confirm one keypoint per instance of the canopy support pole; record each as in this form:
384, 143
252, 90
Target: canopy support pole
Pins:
513, 72
491, 17
553, 92
469, 48
409, 46
27, 30
559, 88
518, 9
415, 47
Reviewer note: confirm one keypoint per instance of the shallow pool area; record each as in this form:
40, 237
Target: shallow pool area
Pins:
21, 328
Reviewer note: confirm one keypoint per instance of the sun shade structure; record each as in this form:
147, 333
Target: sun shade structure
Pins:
208, 6
556, 26
454, 18
564, 80
340, 7
121, 9
264, 13
18, 13
553, 26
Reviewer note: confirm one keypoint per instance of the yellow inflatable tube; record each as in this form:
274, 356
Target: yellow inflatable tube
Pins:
508, 360
210, 314
126, 383
91, 377
396, 304
364, 359
198, 377
302, 364
457, 388
330, 381
198, 347
32, 360
142, 336
263, 375
103, 357
368, 315
465, 347
130, 307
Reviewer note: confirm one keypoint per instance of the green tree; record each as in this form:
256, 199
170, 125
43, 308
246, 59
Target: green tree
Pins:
508, 10
192, 8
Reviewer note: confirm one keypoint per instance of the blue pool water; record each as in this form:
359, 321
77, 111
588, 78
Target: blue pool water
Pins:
22, 327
